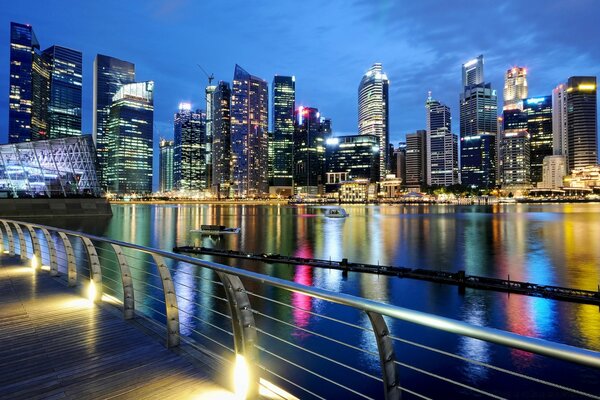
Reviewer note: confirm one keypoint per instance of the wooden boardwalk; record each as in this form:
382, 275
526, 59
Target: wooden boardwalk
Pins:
54, 344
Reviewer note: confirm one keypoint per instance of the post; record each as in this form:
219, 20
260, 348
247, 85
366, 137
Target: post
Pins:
172, 311
35, 244
22, 243
51, 251
95, 269
71, 267
126, 279
244, 327
11, 239
387, 356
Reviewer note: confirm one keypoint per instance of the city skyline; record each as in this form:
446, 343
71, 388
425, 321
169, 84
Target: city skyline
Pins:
321, 83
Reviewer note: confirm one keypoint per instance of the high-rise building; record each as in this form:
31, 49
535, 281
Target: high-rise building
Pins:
349, 158
554, 170
309, 152
515, 88
221, 146
582, 122
401, 162
109, 75
189, 156
284, 105
209, 92
373, 111
516, 158
165, 181
442, 145
472, 72
560, 144
130, 129
249, 134
416, 159
538, 111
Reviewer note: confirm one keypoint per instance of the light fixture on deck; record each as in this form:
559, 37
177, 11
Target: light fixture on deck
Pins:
34, 262
241, 377
92, 293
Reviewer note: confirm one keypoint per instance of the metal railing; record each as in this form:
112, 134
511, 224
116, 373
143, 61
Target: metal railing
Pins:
211, 303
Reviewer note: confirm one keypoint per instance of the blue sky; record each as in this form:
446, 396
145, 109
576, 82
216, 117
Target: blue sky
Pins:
327, 45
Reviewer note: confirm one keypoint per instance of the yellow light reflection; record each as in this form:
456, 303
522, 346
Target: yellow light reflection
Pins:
34, 262
241, 377
92, 292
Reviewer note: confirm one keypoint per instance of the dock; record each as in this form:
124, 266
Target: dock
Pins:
460, 278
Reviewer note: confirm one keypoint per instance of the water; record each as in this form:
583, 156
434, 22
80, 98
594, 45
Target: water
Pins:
554, 244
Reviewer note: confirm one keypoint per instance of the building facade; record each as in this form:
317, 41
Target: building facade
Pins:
582, 122
442, 145
401, 162
130, 130
165, 179
472, 71
539, 125
516, 153
190, 151
515, 88
308, 152
284, 106
109, 75
249, 135
373, 111
560, 145
351, 157
221, 146
554, 170
416, 159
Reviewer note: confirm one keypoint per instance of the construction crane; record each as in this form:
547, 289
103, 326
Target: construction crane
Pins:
210, 77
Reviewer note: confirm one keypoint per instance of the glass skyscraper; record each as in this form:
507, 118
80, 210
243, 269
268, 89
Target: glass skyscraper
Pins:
309, 152
355, 155
249, 134
109, 75
130, 129
515, 88
284, 104
416, 159
221, 144
582, 122
165, 181
373, 111
190, 154
209, 96
442, 145
539, 125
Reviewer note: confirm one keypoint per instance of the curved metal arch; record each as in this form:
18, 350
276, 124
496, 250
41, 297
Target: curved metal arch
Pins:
71, 267
22, 243
35, 244
387, 356
11, 239
171, 308
51, 252
1, 240
244, 327
95, 269
127, 280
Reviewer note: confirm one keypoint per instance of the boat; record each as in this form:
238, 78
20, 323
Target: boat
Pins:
215, 230
337, 212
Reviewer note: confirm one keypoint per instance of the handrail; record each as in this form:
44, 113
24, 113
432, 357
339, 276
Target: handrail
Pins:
245, 338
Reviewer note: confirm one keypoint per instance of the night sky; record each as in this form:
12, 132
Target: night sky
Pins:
327, 45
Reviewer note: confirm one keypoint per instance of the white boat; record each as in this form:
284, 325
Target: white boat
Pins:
337, 212
215, 230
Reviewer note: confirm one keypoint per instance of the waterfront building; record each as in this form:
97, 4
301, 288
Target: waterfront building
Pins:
351, 157
284, 106
560, 145
109, 75
62, 167
249, 135
516, 159
209, 97
189, 155
401, 161
538, 111
130, 137
442, 145
416, 159
554, 170
373, 111
357, 191
309, 152
515, 88
165, 181
221, 144
587, 177
582, 122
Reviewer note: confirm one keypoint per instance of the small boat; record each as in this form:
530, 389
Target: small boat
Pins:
338, 212
215, 230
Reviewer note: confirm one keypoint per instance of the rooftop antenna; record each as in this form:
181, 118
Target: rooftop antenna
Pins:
210, 77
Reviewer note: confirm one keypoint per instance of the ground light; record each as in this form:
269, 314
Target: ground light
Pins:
91, 291
34, 262
241, 377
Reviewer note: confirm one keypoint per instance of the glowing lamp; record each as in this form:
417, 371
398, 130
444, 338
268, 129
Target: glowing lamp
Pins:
34, 262
241, 377
92, 292
586, 87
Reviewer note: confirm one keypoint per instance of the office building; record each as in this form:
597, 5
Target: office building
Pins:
221, 145
249, 135
130, 137
373, 111
472, 72
209, 97
309, 152
350, 158
442, 145
516, 159
554, 170
582, 122
401, 162
538, 111
165, 181
560, 145
189, 155
515, 88
284, 105
416, 159
109, 75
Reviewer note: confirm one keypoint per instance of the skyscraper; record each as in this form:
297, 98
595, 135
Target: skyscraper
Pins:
309, 152
401, 162
515, 88
284, 104
109, 75
516, 158
538, 111
189, 156
209, 95
582, 122
357, 156
560, 144
373, 111
416, 159
130, 129
442, 145
165, 181
23, 47
249, 134
478, 127
221, 146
